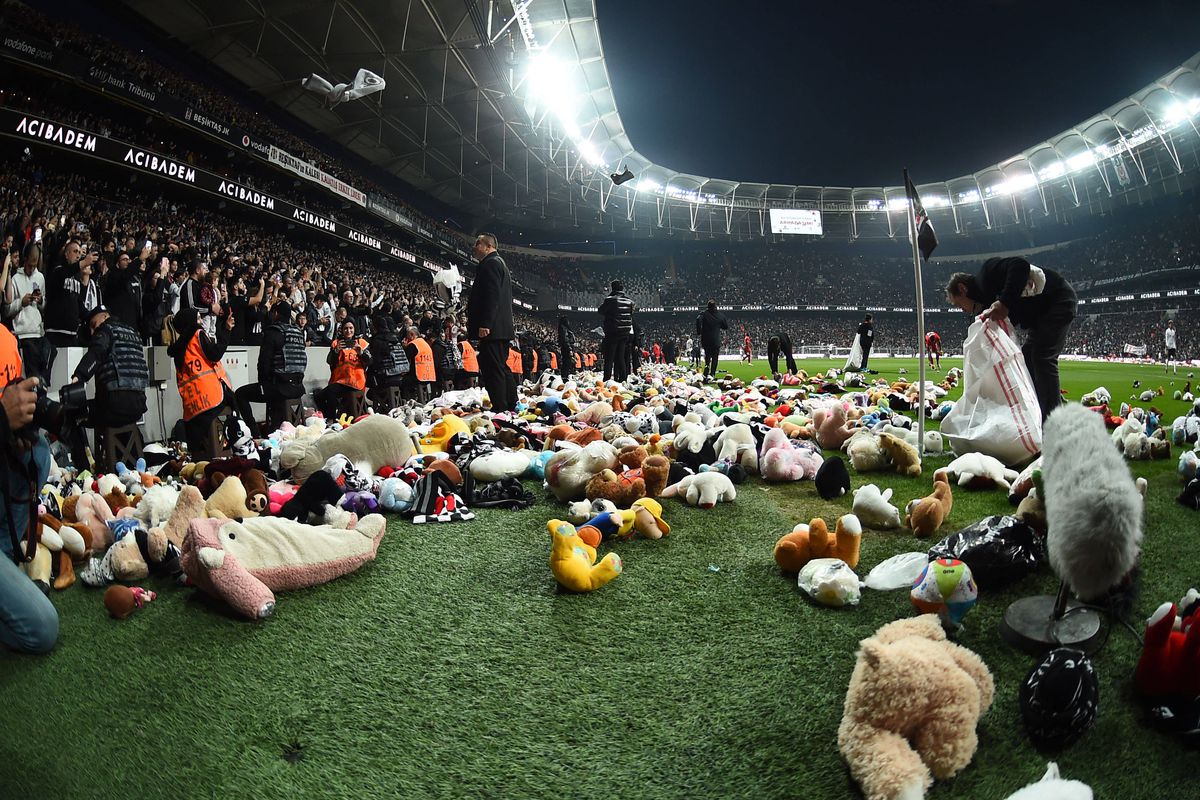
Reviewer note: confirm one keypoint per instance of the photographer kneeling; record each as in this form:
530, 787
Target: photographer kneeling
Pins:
28, 621
116, 357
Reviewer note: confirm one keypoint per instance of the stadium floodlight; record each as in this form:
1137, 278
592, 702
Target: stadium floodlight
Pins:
590, 153
898, 204
1081, 160
1055, 169
1175, 114
551, 90
936, 201
647, 185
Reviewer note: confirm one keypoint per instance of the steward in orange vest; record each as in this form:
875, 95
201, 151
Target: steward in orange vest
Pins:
421, 355
578, 361
514, 361
553, 361
348, 359
204, 387
470, 358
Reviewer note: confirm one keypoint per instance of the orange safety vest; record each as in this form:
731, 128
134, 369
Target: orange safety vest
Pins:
591, 359
578, 362
534, 361
349, 369
10, 358
514, 361
553, 361
199, 380
424, 366
470, 357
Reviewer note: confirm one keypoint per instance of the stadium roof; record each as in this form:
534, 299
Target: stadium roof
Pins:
505, 109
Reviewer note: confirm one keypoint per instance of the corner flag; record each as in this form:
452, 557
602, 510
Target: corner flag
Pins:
926, 238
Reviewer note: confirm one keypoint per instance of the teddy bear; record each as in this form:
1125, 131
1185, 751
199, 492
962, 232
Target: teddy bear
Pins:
134, 556
1170, 662
57, 546
581, 511
565, 433
704, 489
156, 505
830, 426
621, 489
873, 508
911, 709
979, 471
926, 514
737, 443
810, 541
865, 452
376, 441
568, 471
89, 511
573, 561
902, 454
229, 500
245, 562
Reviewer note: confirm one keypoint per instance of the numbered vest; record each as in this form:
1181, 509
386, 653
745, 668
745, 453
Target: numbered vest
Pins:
424, 366
201, 382
10, 358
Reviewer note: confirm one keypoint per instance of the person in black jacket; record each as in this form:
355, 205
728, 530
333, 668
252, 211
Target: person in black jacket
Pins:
489, 317
709, 325
122, 288
617, 310
117, 358
777, 346
282, 360
1008, 288
866, 337
566, 347
390, 365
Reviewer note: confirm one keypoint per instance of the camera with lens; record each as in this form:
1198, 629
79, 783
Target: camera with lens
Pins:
55, 415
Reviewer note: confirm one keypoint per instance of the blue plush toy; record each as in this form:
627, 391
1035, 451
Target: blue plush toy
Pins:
537, 465
395, 495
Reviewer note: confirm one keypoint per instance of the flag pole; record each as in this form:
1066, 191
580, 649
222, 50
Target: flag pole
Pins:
912, 237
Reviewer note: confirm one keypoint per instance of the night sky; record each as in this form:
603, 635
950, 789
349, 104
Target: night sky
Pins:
848, 93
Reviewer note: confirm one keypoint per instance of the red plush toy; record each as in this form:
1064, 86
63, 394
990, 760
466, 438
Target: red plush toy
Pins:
1170, 662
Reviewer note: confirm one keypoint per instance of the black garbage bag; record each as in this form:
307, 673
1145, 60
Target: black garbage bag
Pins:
999, 550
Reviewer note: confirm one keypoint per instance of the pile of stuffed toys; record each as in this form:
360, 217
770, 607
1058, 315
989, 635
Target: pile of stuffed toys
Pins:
307, 504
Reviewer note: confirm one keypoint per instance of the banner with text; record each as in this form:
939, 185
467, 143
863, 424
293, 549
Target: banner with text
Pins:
315, 174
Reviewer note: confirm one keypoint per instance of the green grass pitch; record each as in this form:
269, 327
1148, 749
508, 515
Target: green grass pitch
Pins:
451, 667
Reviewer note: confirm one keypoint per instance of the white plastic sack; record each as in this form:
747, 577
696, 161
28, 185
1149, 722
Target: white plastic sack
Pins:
898, 572
830, 582
854, 360
998, 414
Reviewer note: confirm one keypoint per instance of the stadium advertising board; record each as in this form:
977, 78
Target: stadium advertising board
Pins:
796, 221
30, 128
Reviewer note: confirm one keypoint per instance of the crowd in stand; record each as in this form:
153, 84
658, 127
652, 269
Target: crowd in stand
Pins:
106, 54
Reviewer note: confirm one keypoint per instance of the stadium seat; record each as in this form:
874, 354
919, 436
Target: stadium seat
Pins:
122, 444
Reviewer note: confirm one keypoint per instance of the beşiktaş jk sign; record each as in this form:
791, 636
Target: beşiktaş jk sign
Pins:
316, 175
29, 128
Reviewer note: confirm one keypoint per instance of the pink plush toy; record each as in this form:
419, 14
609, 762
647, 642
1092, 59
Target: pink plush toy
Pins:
245, 562
782, 461
279, 493
830, 425
92, 512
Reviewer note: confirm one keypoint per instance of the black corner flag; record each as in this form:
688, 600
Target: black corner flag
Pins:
926, 238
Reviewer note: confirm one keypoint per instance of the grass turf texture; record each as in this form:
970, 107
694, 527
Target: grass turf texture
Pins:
451, 666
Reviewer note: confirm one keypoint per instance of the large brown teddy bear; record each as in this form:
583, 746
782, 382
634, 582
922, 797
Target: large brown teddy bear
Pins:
621, 489
911, 709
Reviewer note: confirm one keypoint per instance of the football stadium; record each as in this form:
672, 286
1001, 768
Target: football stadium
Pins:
384, 418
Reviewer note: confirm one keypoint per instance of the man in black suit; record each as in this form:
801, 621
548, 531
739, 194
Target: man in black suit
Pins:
490, 318
866, 338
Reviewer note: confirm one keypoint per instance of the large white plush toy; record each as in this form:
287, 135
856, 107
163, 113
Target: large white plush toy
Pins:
376, 441
704, 489
865, 452
736, 444
979, 471
873, 509
690, 434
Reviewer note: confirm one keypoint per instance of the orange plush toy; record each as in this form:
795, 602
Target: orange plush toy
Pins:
926, 514
810, 541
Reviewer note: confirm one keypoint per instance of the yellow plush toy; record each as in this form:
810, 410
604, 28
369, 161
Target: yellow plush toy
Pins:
573, 562
439, 436
644, 517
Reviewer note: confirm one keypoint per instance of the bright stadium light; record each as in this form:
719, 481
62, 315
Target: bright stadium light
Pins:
590, 153
1175, 114
1081, 160
1055, 169
936, 201
647, 185
898, 204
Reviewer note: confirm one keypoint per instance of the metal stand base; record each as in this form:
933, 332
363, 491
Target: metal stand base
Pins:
1038, 624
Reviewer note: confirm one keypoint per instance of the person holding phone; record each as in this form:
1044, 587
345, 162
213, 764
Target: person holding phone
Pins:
24, 304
